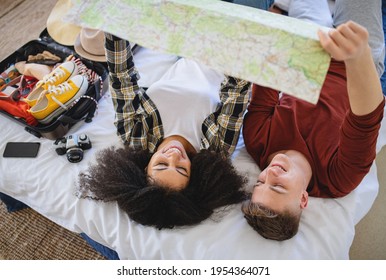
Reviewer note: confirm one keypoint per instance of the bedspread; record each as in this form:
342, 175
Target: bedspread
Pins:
48, 184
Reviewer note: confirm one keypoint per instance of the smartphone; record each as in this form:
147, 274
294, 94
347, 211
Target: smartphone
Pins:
21, 149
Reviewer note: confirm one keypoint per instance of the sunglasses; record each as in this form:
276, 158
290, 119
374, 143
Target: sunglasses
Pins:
19, 87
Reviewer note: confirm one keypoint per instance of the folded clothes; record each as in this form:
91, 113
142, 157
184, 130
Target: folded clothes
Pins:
35, 70
45, 58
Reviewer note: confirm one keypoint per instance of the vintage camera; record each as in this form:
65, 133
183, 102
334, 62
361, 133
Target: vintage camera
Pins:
73, 146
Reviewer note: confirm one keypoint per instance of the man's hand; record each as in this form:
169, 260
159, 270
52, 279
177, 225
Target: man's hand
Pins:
347, 42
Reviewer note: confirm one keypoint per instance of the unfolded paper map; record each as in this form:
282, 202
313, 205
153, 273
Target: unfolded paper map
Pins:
264, 48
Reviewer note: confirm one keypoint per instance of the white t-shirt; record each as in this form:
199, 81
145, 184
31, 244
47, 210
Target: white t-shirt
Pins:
185, 96
151, 64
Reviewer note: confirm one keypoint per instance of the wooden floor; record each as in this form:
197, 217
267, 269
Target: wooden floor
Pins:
23, 20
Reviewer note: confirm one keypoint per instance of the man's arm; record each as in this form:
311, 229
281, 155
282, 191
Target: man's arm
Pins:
259, 113
349, 43
359, 131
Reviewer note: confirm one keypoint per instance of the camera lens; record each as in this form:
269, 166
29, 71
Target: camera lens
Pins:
75, 155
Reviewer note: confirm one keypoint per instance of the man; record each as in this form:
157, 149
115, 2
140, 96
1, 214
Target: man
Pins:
323, 150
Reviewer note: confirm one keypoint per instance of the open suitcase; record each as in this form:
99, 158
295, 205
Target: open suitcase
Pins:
82, 109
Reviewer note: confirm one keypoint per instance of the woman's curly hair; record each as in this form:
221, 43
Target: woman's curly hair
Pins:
119, 175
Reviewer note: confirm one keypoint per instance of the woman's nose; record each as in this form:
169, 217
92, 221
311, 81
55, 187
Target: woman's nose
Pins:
173, 155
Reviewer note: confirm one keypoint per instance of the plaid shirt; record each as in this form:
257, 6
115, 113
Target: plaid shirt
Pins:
137, 118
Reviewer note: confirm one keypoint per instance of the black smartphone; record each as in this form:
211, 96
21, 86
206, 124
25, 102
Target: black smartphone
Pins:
21, 149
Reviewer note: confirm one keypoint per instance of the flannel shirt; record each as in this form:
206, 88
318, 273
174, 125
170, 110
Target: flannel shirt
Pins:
138, 121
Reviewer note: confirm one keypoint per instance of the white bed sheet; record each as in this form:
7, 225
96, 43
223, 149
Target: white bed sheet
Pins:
48, 185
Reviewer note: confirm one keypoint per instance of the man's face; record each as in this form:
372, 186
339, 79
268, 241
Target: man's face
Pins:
282, 185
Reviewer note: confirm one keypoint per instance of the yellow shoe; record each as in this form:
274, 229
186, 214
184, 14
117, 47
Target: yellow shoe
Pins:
59, 75
54, 101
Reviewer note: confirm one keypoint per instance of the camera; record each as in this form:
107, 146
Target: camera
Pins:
73, 146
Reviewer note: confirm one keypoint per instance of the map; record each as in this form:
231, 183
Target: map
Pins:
264, 48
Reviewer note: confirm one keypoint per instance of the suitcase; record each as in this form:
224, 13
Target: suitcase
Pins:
82, 109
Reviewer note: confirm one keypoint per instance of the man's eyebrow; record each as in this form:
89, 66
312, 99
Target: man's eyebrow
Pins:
276, 190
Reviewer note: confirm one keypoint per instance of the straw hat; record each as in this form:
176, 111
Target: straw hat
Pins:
62, 32
90, 44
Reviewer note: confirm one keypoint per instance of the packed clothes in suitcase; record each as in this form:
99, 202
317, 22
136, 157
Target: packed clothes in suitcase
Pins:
48, 87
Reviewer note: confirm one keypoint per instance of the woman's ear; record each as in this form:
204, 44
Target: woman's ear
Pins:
150, 180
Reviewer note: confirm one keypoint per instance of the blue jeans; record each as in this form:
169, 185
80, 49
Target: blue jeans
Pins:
383, 77
260, 4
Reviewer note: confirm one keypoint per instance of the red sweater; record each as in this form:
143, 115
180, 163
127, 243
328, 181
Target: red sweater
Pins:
340, 146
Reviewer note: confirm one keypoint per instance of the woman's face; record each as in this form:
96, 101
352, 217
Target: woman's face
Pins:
170, 166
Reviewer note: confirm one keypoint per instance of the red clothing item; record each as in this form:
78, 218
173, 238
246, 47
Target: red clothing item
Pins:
17, 109
340, 146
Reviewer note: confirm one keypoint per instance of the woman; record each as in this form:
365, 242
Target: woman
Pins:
178, 135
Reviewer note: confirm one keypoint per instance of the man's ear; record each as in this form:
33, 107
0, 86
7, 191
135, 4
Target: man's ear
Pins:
304, 200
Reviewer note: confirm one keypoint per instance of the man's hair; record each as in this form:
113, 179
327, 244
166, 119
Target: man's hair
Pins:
271, 224
119, 175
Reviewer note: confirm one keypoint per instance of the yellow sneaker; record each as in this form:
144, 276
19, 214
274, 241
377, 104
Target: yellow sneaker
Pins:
59, 75
54, 101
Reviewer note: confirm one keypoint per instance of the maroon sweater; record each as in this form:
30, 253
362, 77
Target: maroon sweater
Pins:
340, 146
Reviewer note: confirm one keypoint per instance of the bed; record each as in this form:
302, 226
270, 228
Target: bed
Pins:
48, 184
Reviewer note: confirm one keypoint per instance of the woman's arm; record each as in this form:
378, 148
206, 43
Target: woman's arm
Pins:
123, 81
136, 116
222, 128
